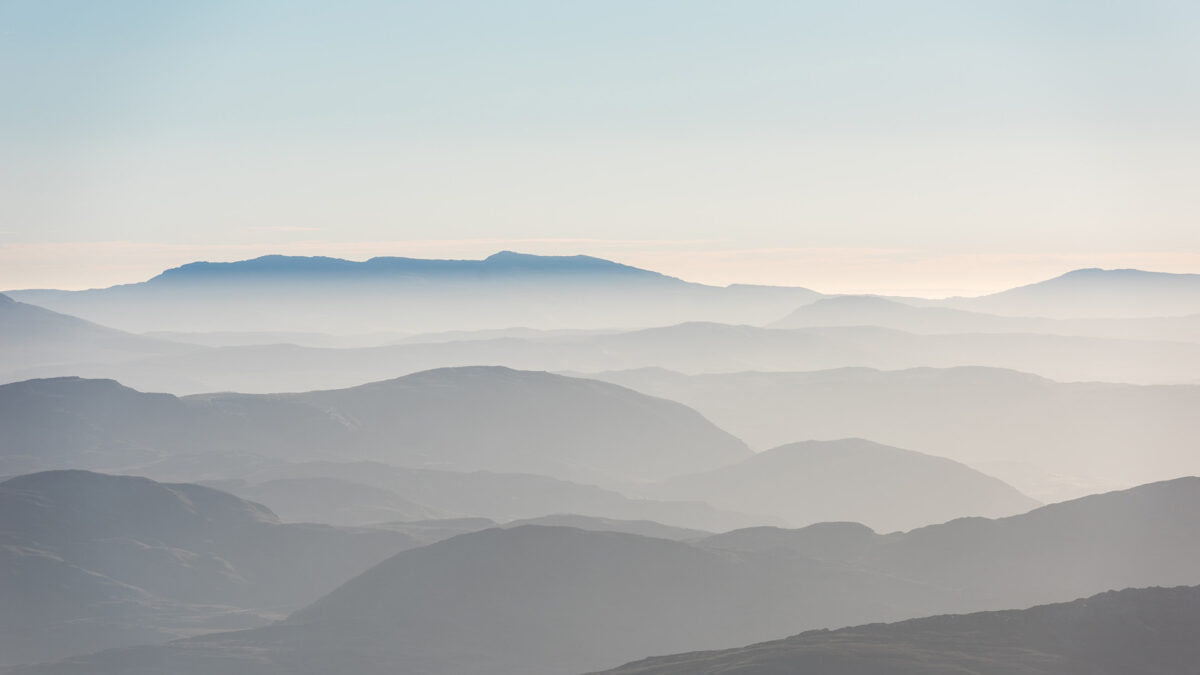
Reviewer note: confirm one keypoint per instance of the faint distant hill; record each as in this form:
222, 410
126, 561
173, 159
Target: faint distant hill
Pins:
332, 501
1152, 631
89, 561
477, 418
330, 295
1052, 440
645, 528
500, 497
927, 318
536, 600
32, 336
688, 347
1095, 293
851, 479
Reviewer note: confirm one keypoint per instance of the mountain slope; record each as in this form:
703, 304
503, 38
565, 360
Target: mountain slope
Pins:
855, 480
1153, 631
92, 561
464, 419
32, 336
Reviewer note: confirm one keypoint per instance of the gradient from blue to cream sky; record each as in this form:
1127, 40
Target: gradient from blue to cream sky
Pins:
901, 147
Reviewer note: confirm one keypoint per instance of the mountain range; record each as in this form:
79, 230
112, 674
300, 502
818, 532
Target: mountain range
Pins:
285, 293
89, 561
322, 295
552, 599
455, 428
463, 419
691, 348
1052, 440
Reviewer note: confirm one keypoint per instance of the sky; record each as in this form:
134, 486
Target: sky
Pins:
923, 148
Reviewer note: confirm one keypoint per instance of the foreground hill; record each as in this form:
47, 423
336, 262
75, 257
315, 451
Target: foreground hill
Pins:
852, 479
91, 561
535, 600
531, 600
1152, 631
287, 293
1052, 440
463, 419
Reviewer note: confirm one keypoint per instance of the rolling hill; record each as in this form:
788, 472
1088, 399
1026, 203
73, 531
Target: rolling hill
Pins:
538, 600
1155, 631
463, 419
90, 561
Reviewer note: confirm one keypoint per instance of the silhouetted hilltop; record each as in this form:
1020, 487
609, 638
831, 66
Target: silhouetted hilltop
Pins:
92, 561
1151, 631
321, 294
852, 479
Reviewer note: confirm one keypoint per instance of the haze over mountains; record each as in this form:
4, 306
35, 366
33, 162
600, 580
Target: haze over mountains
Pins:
1095, 292
893, 489
432, 498
521, 422
871, 310
691, 348
593, 324
282, 293
1053, 440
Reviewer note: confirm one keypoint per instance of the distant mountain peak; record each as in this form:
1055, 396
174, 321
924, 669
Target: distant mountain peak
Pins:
277, 266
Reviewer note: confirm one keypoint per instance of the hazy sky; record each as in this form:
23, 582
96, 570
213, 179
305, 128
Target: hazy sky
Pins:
919, 147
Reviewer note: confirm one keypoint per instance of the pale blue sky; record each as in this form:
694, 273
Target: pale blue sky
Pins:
928, 147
